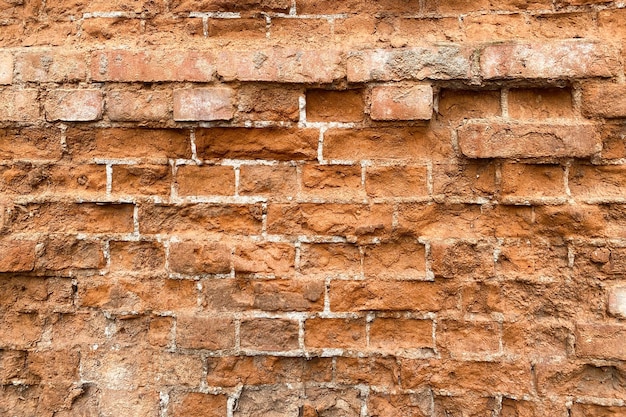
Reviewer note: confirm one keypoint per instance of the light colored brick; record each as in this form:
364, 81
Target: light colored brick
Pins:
51, 65
498, 140
74, 105
549, 60
6, 68
140, 106
617, 302
19, 105
435, 62
204, 104
402, 103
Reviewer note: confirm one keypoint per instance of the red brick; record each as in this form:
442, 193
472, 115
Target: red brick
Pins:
21, 330
435, 62
275, 259
196, 332
205, 180
410, 405
496, 140
64, 254
334, 105
19, 105
137, 256
323, 333
482, 377
269, 334
617, 302
540, 103
74, 105
77, 180
600, 380
396, 334
78, 7
17, 255
204, 104
401, 143
604, 341
298, 31
396, 181
141, 179
496, 27
36, 143
564, 25
462, 259
139, 106
73, 218
281, 65
430, 29
471, 180
51, 65
330, 258
471, 405
389, 296
402, 103
191, 218
276, 182
456, 105
267, 102
526, 259
269, 143
196, 404
523, 182
106, 29
333, 182
551, 60
527, 339
329, 219
604, 100
128, 143
351, 6
398, 258
198, 258
153, 65
523, 408
6, 68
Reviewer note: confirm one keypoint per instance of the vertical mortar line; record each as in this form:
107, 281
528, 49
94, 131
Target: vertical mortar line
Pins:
394, 216
302, 110
568, 192
194, 150
63, 140
333, 369
109, 180
429, 179
173, 330
571, 255
361, 262
498, 407
369, 318
292, 9
504, 102
205, 373
166, 250
434, 333
106, 252
205, 26
237, 174
297, 246
365, 393
164, 400
268, 26
237, 322
577, 98
199, 296
430, 275
301, 334
136, 219
174, 183
454, 141
498, 180
233, 399
264, 219
363, 176
320, 145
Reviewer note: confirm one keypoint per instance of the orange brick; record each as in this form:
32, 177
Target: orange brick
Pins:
6, 68
261, 102
196, 332
336, 182
335, 106
19, 105
456, 105
402, 103
334, 258
394, 334
430, 29
256, 143
334, 333
462, 259
228, 6
137, 256
532, 259
195, 404
604, 100
396, 181
483, 377
382, 371
471, 180
242, 28
585, 410
563, 25
141, 179
276, 182
529, 182
205, 180
64, 254
79, 180
604, 341
401, 258
300, 30
276, 259
460, 338
200, 258
51, 65
16, 256
269, 334
540, 103
597, 181
494, 27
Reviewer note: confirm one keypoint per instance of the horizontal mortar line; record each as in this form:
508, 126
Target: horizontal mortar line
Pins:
111, 14
220, 15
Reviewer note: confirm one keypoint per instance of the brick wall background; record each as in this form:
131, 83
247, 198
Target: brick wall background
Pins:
312, 208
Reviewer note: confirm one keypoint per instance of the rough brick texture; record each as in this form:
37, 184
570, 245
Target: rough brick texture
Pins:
312, 208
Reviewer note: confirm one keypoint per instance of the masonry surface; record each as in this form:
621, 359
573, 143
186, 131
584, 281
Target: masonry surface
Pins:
312, 208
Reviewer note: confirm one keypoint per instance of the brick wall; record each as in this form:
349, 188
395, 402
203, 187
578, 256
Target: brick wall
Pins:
312, 208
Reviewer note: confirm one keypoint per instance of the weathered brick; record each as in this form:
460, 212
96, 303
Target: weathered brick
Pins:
389, 296
263, 102
196, 404
64, 254
430, 29
335, 182
191, 218
523, 408
6, 68
141, 179
413, 404
461, 338
74, 105
130, 403
200, 258
204, 104
284, 65
496, 27
401, 143
51, 65
136, 256
472, 405
197, 332
581, 379
524, 182
482, 377
402, 103
276, 259
604, 100
205, 180
330, 258
596, 181
153, 65
471, 180
540, 103
604, 341
496, 140
528, 259
32, 294
550, 60
297, 31
456, 105
526, 339
77, 180
276, 182
462, 259
564, 25
396, 181
591, 410
270, 143
329, 219
36, 143
335, 105
435, 62
381, 371
617, 302
269, 334
344, 401
334, 333
610, 22
396, 334
138, 106
228, 6
19, 105
17, 255
128, 143
398, 258
21, 331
